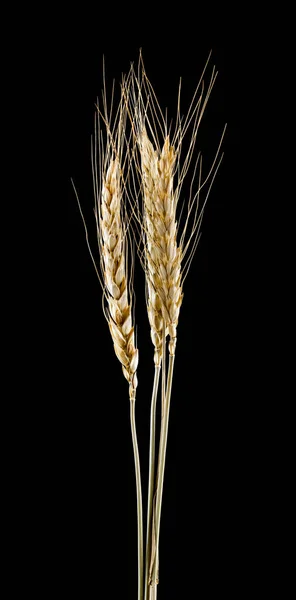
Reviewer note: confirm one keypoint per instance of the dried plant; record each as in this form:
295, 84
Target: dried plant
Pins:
162, 167
110, 167
149, 162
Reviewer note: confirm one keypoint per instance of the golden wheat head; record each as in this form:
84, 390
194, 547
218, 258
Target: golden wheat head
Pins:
162, 254
113, 240
162, 173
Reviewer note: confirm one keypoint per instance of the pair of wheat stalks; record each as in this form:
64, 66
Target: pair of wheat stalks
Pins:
136, 156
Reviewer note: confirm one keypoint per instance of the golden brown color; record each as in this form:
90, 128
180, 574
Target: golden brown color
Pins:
113, 241
162, 253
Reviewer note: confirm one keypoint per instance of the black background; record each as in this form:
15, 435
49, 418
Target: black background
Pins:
208, 505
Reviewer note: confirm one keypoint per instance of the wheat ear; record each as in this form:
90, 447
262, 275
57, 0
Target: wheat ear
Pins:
149, 166
163, 257
113, 242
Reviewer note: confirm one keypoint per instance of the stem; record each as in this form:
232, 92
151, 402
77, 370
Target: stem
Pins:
163, 409
139, 500
151, 476
163, 376
161, 466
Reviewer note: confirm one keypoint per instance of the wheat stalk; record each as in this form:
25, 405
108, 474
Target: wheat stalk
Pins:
112, 245
165, 267
163, 274
109, 177
162, 266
